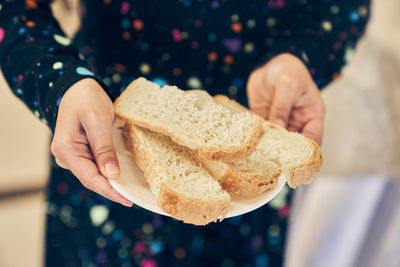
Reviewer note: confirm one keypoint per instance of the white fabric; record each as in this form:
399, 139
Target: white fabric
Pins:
332, 219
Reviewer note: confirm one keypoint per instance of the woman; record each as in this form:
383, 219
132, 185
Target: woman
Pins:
283, 49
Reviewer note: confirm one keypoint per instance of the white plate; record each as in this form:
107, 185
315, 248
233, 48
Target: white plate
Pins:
132, 184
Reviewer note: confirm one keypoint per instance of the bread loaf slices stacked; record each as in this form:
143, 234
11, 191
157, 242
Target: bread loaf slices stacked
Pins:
165, 127
193, 147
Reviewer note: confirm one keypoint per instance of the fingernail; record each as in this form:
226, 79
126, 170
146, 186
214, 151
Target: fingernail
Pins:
279, 123
112, 170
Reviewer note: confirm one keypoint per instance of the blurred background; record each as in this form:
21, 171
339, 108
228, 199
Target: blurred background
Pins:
353, 203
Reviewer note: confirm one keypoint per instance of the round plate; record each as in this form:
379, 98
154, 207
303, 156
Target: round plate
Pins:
132, 184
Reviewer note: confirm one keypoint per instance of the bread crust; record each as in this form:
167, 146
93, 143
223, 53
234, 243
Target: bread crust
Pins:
238, 184
302, 174
189, 210
245, 186
226, 155
182, 207
230, 104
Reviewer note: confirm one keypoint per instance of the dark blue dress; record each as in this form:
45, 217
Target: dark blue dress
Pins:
189, 43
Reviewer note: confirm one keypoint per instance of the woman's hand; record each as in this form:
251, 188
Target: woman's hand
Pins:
83, 140
283, 92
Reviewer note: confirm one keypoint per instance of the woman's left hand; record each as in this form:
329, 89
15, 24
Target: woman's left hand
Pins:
283, 92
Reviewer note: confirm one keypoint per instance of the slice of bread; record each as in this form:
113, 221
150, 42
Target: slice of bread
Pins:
181, 186
191, 121
279, 151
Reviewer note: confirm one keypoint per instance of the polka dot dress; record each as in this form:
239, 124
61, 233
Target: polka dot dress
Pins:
208, 44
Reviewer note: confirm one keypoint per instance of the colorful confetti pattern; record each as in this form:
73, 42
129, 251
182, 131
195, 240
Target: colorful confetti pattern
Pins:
212, 44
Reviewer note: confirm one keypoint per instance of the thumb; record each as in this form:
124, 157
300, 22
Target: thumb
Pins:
282, 103
99, 134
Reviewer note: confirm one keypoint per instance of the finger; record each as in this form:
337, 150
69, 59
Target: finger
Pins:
293, 124
99, 134
261, 111
285, 95
314, 130
293, 128
257, 101
88, 174
61, 164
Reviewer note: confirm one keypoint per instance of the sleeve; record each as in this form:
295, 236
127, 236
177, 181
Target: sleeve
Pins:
322, 33
38, 61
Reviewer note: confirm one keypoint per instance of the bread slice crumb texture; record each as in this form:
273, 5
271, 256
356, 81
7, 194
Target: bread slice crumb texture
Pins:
182, 187
190, 120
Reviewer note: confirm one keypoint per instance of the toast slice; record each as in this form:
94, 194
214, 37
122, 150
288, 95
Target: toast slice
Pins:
181, 186
279, 151
191, 121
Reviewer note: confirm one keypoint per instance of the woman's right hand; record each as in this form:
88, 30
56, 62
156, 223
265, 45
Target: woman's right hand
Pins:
82, 141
